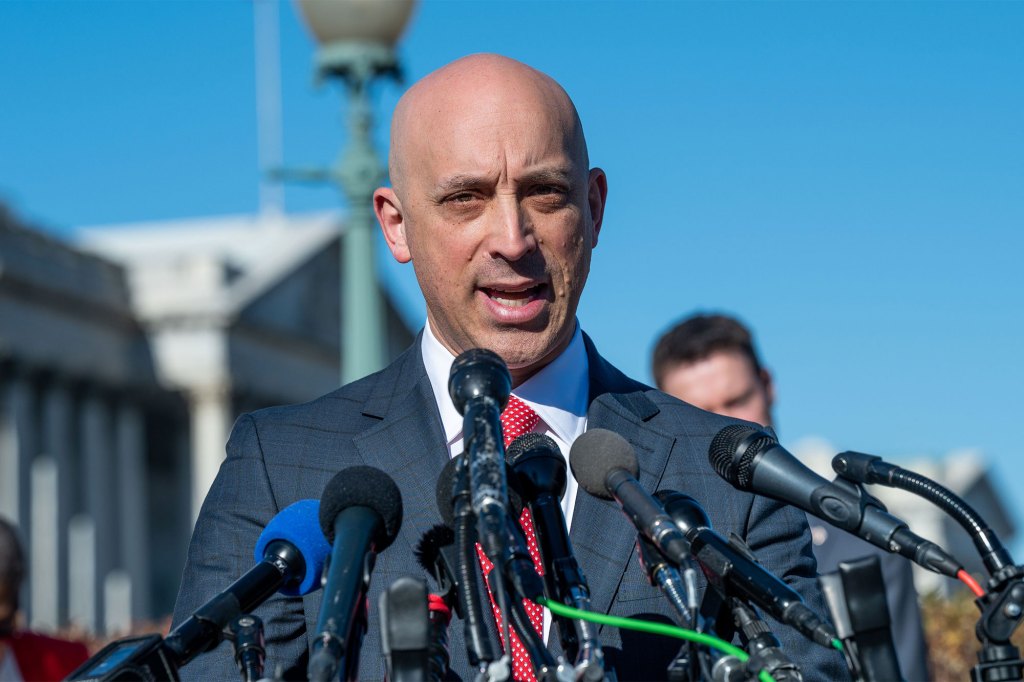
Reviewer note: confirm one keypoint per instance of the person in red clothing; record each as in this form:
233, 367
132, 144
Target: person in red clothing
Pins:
26, 655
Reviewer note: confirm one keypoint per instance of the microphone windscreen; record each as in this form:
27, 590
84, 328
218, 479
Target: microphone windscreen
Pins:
595, 454
732, 452
530, 443
298, 524
428, 549
363, 486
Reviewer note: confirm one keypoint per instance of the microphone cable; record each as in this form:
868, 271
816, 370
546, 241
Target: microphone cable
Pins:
662, 629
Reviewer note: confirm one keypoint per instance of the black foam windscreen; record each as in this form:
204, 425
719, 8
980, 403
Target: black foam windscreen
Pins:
527, 444
428, 549
363, 486
732, 452
444, 493
595, 454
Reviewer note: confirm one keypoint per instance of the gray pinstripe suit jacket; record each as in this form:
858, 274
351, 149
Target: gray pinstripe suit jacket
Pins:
389, 420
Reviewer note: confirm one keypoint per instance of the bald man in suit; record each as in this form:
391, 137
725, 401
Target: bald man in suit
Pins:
494, 202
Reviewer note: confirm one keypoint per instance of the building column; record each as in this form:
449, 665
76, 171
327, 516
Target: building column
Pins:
211, 415
132, 496
82, 573
44, 583
57, 446
17, 448
99, 476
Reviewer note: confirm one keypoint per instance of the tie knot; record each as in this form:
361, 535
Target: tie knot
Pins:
517, 419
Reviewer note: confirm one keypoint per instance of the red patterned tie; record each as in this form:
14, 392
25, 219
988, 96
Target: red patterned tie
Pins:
517, 419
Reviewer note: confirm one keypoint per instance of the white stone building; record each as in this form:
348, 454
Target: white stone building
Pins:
124, 360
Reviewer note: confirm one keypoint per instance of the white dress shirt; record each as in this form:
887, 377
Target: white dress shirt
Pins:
557, 393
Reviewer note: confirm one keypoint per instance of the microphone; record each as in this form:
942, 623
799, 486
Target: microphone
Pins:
862, 468
360, 515
539, 476
414, 632
290, 556
605, 465
479, 385
513, 557
732, 570
454, 505
751, 459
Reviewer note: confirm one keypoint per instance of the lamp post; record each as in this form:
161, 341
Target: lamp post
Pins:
357, 44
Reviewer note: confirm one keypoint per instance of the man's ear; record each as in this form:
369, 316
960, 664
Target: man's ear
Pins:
597, 194
392, 222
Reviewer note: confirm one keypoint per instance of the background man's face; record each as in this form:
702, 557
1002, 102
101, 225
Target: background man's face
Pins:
499, 222
725, 383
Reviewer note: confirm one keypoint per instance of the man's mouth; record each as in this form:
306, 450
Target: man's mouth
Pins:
514, 297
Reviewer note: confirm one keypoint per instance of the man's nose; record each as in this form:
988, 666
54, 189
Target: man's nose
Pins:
511, 235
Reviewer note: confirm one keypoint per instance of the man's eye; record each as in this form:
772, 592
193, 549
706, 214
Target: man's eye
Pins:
461, 198
548, 189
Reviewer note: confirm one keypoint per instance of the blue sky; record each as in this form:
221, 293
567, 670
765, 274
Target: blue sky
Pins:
848, 177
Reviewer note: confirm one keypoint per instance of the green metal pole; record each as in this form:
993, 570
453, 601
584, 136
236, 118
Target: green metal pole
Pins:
360, 172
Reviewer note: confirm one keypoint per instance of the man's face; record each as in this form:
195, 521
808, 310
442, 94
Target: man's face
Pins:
726, 383
499, 216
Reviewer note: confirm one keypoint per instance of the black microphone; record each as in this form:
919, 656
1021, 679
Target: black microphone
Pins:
539, 477
605, 465
414, 637
513, 557
732, 569
751, 459
455, 508
360, 514
479, 385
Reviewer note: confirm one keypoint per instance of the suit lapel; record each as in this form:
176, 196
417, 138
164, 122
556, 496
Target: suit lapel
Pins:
408, 443
603, 538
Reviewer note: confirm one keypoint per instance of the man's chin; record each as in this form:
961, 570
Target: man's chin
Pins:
526, 354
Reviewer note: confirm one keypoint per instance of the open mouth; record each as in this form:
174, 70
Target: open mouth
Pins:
515, 298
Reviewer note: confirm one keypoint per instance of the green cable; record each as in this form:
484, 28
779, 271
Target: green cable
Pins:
561, 609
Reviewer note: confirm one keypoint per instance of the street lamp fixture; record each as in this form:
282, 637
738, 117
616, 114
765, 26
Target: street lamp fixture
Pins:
356, 41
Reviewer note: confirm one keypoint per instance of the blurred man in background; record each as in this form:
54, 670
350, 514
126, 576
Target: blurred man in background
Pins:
27, 655
709, 361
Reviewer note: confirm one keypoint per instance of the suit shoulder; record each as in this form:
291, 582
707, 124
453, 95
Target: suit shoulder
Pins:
695, 421
343, 402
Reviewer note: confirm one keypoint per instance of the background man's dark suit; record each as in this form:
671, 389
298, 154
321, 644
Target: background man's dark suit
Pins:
390, 420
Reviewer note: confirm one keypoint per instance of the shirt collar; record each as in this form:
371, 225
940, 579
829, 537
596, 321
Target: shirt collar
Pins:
558, 392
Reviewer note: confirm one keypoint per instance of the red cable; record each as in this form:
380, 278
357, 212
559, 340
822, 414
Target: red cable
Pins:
972, 584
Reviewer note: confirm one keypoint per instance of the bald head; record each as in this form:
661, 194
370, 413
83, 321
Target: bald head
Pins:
494, 203
476, 91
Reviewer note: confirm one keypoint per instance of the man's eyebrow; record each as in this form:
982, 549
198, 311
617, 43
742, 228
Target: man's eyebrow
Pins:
460, 181
548, 175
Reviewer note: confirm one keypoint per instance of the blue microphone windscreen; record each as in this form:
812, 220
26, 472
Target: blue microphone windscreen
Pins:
299, 524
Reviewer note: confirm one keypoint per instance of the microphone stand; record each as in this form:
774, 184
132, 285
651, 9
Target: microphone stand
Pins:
1002, 607
1002, 610
546, 668
763, 646
246, 636
480, 646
